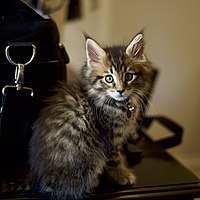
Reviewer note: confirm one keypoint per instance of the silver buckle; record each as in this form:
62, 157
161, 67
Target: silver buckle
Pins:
19, 71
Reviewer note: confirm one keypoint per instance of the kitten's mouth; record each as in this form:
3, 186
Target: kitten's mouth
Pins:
121, 98
122, 101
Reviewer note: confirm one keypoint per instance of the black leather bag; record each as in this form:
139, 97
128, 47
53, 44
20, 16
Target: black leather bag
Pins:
31, 62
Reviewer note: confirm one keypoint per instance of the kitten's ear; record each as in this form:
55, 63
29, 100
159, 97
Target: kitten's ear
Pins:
94, 53
136, 47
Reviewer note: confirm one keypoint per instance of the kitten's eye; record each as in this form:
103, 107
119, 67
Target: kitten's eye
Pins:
109, 78
129, 76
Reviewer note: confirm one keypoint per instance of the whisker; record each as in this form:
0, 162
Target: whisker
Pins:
144, 99
150, 107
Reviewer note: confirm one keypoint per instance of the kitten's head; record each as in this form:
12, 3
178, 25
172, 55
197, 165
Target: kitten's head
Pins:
119, 73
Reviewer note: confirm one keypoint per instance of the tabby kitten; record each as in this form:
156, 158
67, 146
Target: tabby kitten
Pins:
79, 135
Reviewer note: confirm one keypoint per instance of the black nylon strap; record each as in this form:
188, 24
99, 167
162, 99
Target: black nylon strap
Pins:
16, 117
144, 146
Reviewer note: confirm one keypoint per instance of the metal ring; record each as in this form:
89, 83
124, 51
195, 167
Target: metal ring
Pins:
31, 89
18, 45
7, 86
14, 86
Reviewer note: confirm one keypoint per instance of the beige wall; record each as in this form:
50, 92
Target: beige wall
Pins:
172, 31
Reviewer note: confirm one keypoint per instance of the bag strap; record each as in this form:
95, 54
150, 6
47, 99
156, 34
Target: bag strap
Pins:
16, 111
141, 144
15, 125
173, 127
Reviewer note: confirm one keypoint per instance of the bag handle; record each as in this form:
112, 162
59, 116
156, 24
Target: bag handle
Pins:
174, 128
141, 144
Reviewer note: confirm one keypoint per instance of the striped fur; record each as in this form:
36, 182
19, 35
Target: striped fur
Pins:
79, 135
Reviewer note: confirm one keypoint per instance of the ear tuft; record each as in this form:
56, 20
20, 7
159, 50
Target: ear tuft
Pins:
94, 53
136, 47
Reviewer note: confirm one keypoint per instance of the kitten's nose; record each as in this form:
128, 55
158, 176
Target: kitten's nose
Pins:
120, 91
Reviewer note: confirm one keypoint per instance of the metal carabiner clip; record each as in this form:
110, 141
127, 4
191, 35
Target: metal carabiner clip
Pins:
19, 71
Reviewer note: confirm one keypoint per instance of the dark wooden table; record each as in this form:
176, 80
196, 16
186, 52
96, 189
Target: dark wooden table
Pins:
159, 175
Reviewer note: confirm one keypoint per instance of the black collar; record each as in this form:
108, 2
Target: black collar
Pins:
126, 106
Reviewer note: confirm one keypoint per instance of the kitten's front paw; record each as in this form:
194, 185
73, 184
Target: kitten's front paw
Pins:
126, 178
122, 176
